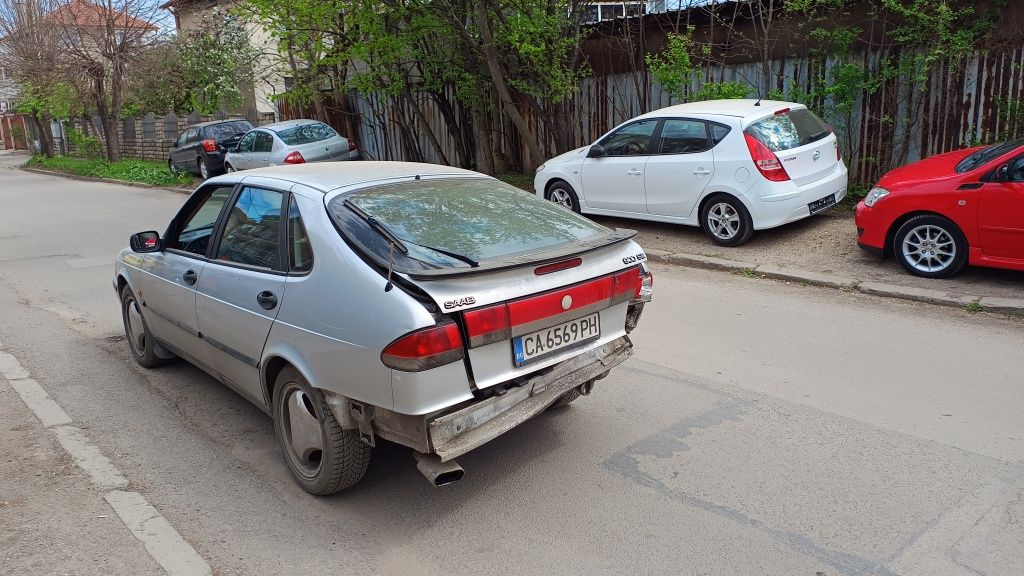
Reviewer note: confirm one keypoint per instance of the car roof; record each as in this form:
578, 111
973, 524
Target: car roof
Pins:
740, 108
327, 176
212, 122
278, 126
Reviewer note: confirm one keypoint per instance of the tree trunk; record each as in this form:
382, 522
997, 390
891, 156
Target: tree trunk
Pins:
482, 135
427, 129
501, 86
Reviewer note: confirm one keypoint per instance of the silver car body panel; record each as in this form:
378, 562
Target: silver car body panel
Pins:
335, 148
169, 304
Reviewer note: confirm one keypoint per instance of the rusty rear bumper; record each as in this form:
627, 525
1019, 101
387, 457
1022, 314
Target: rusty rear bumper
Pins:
454, 434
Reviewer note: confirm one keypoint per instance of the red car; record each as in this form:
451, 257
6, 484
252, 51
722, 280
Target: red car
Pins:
949, 210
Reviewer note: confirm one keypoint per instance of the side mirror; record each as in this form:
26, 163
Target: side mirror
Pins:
145, 242
596, 151
1003, 173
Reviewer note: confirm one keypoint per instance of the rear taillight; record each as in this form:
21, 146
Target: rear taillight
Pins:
765, 160
424, 349
487, 325
627, 285
210, 145
294, 158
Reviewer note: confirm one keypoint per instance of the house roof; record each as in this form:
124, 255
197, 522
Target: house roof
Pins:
85, 14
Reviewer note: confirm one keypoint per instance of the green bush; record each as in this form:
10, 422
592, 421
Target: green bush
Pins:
85, 146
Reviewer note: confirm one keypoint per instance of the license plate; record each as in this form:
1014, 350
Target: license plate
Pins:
819, 205
549, 341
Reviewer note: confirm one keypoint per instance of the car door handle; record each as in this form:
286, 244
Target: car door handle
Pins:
702, 172
634, 172
190, 277
267, 300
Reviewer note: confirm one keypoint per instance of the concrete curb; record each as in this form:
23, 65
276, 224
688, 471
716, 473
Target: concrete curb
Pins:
104, 180
926, 295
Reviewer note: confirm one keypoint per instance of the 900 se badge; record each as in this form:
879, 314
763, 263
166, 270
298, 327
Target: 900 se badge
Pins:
638, 258
465, 301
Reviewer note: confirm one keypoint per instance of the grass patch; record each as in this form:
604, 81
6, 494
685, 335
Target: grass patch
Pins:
974, 307
524, 181
129, 170
747, 273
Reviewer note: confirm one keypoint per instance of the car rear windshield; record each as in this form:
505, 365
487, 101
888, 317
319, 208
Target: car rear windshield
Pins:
790, 129
306, 134
455, 223
983, 156
227, 129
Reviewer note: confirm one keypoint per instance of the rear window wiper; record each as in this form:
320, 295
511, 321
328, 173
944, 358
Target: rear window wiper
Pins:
818, 136
400, 244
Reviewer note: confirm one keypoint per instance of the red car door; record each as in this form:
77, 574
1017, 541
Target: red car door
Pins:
1001, 214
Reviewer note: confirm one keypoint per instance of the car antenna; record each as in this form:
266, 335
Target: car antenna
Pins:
391, 266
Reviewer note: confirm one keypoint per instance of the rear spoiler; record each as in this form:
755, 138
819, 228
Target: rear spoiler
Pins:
529, 258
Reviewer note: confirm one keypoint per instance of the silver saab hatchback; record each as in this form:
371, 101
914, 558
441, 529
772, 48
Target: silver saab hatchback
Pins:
430, 306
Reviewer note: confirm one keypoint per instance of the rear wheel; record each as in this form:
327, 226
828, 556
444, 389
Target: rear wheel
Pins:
322, 457
562, 194
204, 169
726, 221
930, 246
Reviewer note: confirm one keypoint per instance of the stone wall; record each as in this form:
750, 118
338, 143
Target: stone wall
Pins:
151, 137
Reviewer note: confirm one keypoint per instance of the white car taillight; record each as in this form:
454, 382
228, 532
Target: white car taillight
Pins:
766, 161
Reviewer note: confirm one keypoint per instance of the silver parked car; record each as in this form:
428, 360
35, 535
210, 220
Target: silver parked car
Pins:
291, 142
430, 306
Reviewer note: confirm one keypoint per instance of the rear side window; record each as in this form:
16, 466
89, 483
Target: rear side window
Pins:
448, 223
264, 142
300, 255
684, 137
718, 132
791, 129
306, 134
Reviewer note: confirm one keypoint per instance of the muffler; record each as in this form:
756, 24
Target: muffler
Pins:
439, 473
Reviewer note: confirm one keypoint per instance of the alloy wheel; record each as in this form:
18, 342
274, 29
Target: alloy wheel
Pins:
929, 248
723, 221
561, 197
304, 439
136, 330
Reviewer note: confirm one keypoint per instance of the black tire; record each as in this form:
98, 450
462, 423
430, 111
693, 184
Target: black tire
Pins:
566, 399
171, 168
136, 331
204, 168
343, 457
228, 168
561, 193
733, 224
930, 246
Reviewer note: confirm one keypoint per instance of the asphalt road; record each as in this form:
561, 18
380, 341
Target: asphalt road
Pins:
761, 428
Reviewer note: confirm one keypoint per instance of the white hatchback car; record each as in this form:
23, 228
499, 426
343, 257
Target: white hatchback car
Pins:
729, 166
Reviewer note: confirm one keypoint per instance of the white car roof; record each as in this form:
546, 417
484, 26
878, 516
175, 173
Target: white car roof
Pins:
327, 176
740, 108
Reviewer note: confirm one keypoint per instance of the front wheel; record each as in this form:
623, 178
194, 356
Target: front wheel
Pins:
562, 194
930, 246
228, 168
141, 344
322, 457
726, 221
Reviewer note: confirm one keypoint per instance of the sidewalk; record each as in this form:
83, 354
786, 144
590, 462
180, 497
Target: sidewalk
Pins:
52, 520
823, 250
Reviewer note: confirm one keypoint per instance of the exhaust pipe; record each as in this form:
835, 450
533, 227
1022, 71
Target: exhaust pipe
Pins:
439, 473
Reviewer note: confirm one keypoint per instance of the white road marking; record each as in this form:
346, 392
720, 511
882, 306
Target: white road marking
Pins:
89, 458
10, 368
90, 262
162, 541
33, 395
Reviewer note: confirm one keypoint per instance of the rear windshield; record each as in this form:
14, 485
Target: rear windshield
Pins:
983, 156
451, 223
792, 129
306, 134
227, 129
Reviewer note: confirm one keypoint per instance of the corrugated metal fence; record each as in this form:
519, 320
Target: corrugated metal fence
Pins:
953, 104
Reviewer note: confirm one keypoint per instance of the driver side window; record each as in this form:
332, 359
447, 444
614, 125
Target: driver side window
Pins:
630, 140
245, 144
196, 227
1016, 170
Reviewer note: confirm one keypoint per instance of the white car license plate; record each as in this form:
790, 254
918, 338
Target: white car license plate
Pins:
543, 343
